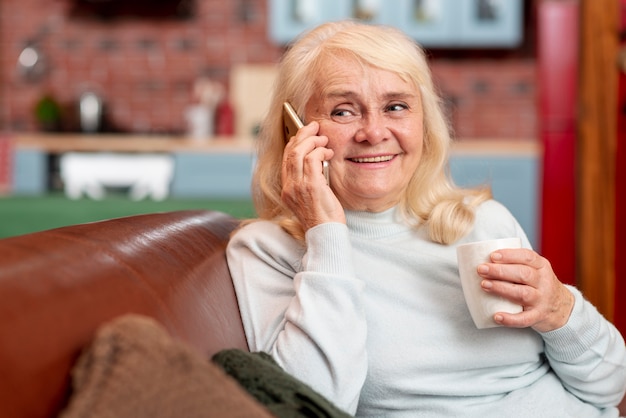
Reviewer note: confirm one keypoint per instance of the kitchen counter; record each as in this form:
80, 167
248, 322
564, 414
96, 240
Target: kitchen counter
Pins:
59, 143
222, 167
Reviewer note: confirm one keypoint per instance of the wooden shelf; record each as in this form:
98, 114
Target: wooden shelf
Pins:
58, 143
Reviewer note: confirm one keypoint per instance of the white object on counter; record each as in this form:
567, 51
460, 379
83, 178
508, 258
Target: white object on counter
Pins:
200, 121
91, 173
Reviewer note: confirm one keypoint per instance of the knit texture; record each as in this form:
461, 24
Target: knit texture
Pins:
135, 369
282, 394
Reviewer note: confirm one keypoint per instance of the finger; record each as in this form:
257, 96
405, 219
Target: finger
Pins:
513, 273
517, 293
523, 319
298, 151
518, 256
313, 163
305, 162
303, 133
298, 147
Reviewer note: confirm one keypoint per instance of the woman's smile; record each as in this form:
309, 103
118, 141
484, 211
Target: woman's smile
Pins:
375, 159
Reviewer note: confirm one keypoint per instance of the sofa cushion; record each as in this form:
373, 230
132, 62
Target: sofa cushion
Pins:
134, 368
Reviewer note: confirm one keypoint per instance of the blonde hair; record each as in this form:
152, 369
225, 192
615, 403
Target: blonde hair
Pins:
431, 198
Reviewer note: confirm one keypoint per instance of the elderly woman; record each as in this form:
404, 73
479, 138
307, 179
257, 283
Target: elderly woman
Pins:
353, 286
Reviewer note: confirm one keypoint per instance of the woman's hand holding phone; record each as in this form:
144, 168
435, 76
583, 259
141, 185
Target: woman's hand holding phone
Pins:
304, 187
291, 124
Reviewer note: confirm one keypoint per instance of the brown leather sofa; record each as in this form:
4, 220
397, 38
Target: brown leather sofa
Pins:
58, 286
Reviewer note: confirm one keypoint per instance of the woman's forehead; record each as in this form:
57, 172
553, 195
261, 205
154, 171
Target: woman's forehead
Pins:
342, 77
329, 61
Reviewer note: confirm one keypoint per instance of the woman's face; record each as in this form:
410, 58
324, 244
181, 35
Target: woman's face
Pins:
374, 124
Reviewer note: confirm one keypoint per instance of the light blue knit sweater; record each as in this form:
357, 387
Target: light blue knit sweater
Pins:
372, 316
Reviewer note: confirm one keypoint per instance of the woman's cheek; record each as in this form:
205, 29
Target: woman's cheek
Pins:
338, 137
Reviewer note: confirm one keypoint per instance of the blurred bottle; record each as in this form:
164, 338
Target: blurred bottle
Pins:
224, 119
90, 109
199, 122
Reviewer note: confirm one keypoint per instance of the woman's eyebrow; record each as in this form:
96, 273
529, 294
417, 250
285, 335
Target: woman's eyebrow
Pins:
392, 95
340, 94
400, 95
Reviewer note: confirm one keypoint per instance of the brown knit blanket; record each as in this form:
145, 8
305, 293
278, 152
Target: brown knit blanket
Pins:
135, 369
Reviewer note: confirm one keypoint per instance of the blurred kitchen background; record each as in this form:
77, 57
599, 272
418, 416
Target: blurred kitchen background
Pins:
143, 57
115, 107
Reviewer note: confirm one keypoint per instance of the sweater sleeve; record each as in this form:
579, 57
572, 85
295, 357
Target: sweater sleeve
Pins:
302, 304
589, 355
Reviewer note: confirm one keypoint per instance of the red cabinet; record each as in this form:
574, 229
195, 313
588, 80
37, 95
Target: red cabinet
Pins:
557, 36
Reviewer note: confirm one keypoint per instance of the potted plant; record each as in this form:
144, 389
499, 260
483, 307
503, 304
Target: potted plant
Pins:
48, 113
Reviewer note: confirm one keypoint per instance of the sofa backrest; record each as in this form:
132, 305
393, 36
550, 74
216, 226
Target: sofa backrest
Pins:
58, 286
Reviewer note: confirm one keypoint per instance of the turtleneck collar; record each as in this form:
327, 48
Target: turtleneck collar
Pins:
377, 224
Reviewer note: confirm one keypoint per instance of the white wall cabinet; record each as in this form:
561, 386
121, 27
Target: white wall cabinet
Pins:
432, 23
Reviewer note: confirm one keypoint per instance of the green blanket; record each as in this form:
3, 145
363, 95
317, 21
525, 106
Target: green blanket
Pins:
281, 393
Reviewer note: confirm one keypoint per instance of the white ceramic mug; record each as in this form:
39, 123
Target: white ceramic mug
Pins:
482, 305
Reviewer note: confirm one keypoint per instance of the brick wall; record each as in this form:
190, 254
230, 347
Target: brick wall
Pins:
145, 69
489, 98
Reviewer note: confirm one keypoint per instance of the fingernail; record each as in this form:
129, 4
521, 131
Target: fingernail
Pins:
496, 256
498, 318
487, 284
483, 268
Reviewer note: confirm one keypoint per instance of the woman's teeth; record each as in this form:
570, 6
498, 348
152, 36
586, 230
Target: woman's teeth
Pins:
372, 159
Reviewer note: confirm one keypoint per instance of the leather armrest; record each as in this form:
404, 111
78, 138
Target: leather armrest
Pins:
58, 286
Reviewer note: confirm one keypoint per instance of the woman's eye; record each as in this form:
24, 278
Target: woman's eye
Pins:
343, 115
340, 113
397, 107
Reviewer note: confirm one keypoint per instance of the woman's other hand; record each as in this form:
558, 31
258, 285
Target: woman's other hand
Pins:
526, 278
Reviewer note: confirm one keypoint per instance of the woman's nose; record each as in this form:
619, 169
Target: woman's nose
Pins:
372, 129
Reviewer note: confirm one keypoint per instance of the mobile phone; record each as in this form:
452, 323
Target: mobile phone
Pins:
291, 123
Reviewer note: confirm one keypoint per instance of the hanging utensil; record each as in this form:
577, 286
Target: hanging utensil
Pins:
31, 62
